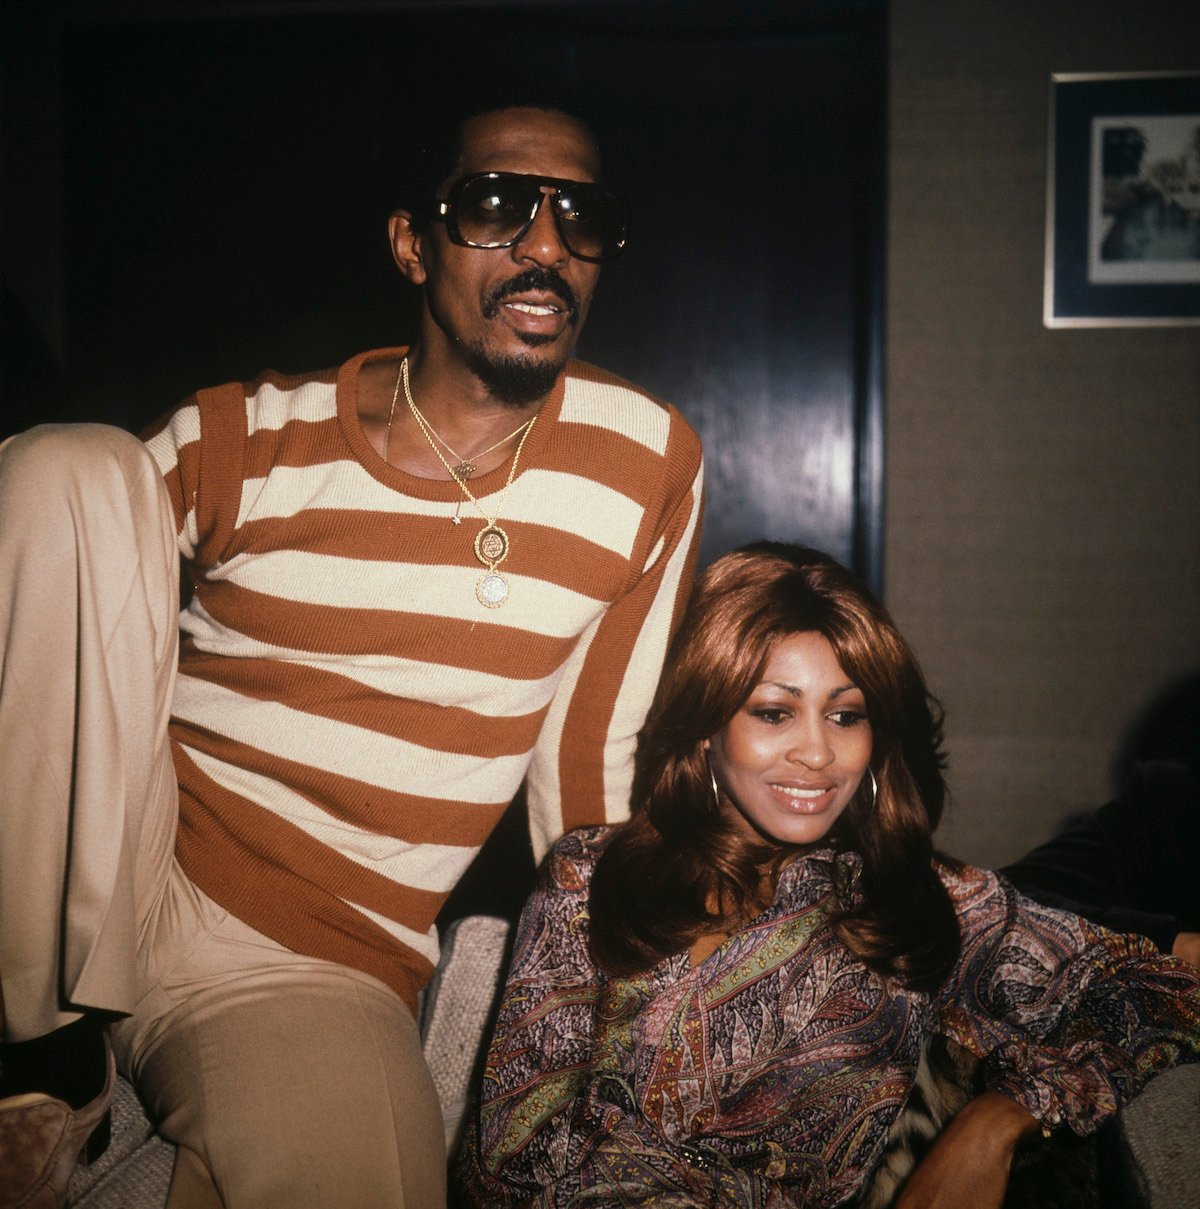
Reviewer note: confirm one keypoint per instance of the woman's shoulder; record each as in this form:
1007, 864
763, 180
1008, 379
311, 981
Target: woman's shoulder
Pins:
960, 878
573, 857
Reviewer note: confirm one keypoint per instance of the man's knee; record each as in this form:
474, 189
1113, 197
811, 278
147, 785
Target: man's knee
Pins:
67, 486
43, 458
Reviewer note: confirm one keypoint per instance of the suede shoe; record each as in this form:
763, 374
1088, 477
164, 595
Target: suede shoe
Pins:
42, 1139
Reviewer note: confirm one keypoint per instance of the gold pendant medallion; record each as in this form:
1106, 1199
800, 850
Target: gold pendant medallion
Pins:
492, 589
491, 546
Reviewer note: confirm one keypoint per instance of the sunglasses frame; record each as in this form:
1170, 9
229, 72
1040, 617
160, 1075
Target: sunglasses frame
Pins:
444, 212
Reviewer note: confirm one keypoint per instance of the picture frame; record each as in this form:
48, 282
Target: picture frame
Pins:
1123, 200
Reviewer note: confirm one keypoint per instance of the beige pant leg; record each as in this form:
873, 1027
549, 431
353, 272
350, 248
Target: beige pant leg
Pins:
298, 1083
88, 645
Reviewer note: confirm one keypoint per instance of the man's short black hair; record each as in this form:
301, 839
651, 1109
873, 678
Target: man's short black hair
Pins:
434, 151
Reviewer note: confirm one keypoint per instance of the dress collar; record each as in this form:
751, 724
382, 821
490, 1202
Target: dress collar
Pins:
816, 874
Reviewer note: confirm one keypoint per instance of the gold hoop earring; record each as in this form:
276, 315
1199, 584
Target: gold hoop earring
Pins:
712, 776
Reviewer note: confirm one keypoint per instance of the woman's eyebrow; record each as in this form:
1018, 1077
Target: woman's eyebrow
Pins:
799, 692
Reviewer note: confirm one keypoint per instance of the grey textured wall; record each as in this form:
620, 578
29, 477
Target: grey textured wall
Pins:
1043, 487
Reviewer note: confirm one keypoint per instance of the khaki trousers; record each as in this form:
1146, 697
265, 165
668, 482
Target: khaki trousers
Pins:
298, 1082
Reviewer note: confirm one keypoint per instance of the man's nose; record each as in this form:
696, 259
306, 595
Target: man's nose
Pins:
542, 244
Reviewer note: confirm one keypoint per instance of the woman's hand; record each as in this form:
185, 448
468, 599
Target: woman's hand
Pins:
970, 1161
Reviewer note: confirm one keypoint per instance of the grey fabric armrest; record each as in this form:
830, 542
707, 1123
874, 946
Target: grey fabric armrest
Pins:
1159, 1138
457, 1011
135, 1171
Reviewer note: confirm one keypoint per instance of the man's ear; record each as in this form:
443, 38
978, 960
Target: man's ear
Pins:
406, 246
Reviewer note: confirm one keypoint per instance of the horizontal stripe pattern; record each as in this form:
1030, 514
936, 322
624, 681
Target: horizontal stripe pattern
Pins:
426, 866
590, 511
263, 621
534, 606
323, 693
387, 810
488, 692
344, 748
602, 400
273, 405
349, 720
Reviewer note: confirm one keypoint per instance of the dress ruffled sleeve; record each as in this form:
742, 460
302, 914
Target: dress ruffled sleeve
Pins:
540, 1057
1070, 1018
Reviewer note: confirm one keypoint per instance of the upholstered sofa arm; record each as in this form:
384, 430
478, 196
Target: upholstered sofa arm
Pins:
456, 1011
1158, 1138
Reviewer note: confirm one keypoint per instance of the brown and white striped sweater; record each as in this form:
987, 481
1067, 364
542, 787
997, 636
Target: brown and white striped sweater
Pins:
350, 722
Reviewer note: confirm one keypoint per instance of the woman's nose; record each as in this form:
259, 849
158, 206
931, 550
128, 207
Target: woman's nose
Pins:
811, 748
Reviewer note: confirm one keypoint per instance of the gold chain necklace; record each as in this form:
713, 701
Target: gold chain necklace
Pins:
465, 466
491, 542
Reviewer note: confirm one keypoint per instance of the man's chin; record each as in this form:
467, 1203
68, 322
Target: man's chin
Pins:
517, 380
536, 339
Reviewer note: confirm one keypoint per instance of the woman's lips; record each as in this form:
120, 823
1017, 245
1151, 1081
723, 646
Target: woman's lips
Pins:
805, 799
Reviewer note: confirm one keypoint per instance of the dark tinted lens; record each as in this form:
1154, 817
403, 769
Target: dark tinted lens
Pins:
491, 211
591, 219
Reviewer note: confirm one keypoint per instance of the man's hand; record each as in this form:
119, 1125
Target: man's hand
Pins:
970, 1161
1187, 946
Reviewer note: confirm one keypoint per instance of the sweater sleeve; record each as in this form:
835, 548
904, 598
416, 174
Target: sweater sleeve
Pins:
200, 449
540, 1055
582, 766
1071, 1019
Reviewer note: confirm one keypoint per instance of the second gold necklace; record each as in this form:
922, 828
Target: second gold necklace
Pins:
491, 542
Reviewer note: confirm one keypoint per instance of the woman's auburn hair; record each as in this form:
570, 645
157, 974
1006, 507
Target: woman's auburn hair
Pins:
677, 870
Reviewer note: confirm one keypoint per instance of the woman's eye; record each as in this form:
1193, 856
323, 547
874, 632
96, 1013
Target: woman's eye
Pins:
848, 717
771, 715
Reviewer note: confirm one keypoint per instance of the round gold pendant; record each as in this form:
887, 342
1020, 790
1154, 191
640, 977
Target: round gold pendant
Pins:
491, 545
492, 589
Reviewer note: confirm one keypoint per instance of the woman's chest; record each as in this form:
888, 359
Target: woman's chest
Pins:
750, 1037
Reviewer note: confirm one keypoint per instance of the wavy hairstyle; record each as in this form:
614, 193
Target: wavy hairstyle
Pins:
678, 869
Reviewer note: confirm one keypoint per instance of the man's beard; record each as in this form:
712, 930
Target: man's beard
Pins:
513, 380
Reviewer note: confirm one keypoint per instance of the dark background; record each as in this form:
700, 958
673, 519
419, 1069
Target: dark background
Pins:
227, 170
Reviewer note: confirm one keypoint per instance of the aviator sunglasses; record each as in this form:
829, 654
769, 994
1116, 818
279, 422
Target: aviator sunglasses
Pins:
496, 209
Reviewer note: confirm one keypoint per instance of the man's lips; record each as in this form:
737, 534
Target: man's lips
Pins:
529, 304
539, 293
539, 316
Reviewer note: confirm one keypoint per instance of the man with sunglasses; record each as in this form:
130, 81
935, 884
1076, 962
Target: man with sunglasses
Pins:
418, 581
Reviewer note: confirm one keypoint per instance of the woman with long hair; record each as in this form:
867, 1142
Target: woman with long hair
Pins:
725, 999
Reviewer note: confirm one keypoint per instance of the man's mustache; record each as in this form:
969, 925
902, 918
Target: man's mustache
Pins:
546, 280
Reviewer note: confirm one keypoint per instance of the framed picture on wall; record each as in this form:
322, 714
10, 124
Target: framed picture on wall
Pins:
1123, 200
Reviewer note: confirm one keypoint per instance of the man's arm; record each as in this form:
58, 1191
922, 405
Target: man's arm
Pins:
582, 766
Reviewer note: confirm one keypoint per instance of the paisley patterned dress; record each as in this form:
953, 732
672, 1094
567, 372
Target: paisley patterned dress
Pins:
769, 1074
